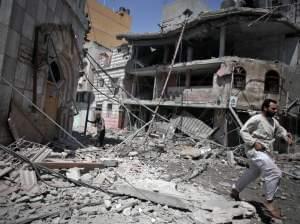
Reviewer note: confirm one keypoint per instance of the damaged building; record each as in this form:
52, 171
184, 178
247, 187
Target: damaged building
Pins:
99, 89
40, 48
104, 67
228, 62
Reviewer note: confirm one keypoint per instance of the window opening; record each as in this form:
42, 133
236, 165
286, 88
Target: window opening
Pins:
239, 78
55, 72
272, 82
204, 79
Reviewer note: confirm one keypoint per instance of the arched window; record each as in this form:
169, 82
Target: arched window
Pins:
55, 73
239, 78
272, 82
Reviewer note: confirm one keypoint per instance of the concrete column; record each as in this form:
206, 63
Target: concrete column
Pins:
222, 41
134, 86
155, 87
188, 79
136, 52
189, 54
166, 54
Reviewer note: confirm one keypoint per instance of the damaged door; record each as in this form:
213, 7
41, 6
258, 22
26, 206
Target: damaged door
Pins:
51, 105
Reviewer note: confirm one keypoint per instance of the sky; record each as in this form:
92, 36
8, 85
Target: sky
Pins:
146, 14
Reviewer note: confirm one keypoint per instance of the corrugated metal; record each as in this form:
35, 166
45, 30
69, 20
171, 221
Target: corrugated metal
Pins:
192, 126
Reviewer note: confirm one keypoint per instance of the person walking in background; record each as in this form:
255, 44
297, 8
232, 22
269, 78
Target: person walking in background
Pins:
259, 134
100, 124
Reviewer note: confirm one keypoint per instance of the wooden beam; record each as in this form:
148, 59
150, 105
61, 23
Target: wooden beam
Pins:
79, 164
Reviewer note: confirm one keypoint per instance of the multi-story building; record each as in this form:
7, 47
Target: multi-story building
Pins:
106, 24
102, 91
231, 58
106, 50
40, 47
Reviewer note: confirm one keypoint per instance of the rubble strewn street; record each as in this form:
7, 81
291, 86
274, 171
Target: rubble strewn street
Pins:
168, 181
111, 113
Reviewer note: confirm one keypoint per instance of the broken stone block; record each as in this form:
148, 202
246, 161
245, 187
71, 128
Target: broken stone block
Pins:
35, 199
107, 204
133, 153
22, 199
127, 211
230, 158
202, 216
86, 178
190, 152
73, 173
99, 179
91, 210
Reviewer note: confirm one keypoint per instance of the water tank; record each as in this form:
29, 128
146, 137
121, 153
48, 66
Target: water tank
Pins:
227, 4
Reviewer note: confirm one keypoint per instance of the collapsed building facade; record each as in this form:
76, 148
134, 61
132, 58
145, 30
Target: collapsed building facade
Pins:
231, 58
40, 62
99, 89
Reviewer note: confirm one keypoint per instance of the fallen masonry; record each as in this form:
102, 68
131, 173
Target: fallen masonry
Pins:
97, 185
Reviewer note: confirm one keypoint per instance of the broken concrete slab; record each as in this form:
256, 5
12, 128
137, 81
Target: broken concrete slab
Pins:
29, 182
73, 173
5, 171
190, 152
157, 191
192, 126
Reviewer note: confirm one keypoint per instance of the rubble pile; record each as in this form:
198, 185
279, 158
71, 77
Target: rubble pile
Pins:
126, 183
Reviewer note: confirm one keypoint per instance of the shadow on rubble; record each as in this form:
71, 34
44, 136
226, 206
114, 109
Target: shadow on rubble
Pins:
261, 211
87, 140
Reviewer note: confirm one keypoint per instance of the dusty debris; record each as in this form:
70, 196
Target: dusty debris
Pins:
28, 181
135, 191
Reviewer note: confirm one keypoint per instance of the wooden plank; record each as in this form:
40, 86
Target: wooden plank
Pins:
81, 164
5, 171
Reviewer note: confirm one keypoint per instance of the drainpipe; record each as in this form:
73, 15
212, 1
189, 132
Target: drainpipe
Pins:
222, 41
87, 112
235, 115
35, 67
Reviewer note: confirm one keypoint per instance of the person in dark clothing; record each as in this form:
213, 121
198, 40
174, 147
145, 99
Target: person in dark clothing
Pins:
99, 123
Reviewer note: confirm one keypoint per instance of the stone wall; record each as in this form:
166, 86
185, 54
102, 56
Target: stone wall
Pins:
18, 22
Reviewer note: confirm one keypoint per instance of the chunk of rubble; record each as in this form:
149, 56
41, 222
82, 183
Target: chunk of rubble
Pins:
73, 173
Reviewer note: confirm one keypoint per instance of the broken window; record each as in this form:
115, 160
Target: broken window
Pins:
55, 73
115, 82
272, 82
109, 110
82, 97
180, 79
104, 59
203, 79
98, 107
239, 78
100, 82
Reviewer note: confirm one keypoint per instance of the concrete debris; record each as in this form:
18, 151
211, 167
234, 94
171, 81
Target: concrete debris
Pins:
73, 173
230, 158
157, 191
29, 181
192, 126
169, 189
5, 171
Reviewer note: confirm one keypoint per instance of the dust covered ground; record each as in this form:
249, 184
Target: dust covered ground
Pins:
158, 181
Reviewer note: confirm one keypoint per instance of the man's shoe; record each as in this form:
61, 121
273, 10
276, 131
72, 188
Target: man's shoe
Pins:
235, 194
273, 210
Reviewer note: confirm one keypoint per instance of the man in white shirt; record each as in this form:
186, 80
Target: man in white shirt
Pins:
259, 134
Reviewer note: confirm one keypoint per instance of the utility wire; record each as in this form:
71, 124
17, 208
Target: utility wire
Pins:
167, 79
121, 87
112, 99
